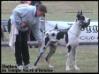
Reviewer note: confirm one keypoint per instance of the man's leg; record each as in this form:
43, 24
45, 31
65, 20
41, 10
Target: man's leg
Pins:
18, 55
24, 48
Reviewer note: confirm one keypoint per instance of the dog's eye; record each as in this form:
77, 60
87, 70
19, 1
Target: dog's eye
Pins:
53, 34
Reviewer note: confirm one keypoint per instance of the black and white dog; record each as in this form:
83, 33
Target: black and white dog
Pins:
51, 40
71, 38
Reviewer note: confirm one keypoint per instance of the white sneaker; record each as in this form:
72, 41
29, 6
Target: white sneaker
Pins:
67, 68
76, 67
20, 67
29, 66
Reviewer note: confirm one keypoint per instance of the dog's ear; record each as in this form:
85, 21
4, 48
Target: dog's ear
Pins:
56, 27
60, 35
79, 14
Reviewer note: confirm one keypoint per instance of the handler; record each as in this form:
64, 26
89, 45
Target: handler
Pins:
24, 18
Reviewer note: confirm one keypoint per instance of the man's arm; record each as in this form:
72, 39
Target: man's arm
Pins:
42, 24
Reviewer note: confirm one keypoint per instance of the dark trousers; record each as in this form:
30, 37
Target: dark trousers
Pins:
21, 49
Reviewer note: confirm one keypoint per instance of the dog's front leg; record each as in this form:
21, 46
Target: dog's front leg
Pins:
52, 49
68, 62
74, 58
42, 49
71, 58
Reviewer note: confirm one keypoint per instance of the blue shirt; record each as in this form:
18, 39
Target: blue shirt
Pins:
24, 13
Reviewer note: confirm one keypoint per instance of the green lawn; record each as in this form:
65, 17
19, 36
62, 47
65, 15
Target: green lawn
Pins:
87, 58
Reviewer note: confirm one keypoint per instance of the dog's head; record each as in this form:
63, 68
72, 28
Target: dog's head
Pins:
82, 20
52, 35
55, 35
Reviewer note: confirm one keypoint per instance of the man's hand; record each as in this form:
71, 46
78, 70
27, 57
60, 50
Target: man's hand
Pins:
24, 25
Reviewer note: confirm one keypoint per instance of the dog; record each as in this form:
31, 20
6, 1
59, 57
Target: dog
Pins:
51, 40
71, 35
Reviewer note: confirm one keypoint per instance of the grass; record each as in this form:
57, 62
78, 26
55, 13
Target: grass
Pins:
87, 58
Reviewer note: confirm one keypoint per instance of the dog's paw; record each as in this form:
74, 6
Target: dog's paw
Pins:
50, 66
